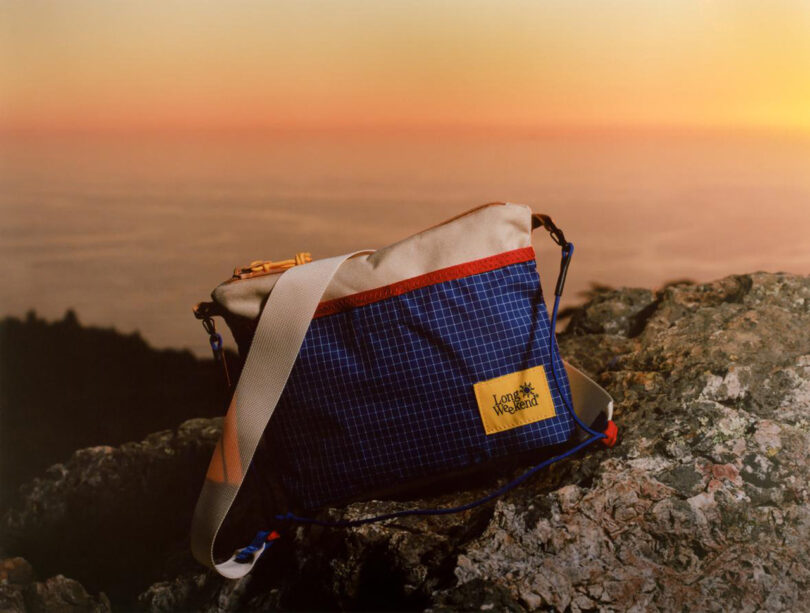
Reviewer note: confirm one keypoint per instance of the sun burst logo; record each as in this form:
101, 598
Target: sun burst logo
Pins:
522, 398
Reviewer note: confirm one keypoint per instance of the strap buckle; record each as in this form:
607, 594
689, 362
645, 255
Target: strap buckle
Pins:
545, 221
263, 540
205, 312
557, 235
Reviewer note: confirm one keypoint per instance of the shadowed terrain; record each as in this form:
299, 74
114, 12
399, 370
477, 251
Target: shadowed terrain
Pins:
66, 386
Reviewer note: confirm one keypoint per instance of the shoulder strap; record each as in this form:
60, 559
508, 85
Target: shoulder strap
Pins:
282, 327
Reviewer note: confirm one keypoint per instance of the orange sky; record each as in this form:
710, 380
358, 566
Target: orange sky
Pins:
236, 64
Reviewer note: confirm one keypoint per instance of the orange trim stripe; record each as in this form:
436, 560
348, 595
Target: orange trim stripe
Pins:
344, 303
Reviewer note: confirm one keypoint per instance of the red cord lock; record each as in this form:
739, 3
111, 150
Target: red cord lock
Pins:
611, 434
273, 536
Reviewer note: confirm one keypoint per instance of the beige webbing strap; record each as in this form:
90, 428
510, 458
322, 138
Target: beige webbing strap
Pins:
282, 327
279, 335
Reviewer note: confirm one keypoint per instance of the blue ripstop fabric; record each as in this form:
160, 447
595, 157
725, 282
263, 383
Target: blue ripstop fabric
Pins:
383, 394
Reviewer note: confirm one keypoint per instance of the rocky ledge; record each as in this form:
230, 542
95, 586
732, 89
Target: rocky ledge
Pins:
20, 591
703, 504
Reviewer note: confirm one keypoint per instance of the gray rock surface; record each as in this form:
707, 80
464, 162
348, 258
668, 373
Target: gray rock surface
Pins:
703, 504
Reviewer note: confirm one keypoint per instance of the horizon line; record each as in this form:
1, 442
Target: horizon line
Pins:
562, 128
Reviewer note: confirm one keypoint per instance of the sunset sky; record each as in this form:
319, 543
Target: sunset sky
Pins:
162, 64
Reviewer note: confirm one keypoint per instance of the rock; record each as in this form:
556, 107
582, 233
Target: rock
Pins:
16, 571
112, 516
62, 595
11, 599
703, 504
19, 592
609, 312
198, 591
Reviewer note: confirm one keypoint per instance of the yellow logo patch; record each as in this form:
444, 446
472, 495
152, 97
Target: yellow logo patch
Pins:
513, 400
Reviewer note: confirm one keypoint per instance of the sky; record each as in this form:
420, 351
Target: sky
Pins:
164, 64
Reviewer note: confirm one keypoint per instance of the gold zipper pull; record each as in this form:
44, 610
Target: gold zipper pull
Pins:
266, 267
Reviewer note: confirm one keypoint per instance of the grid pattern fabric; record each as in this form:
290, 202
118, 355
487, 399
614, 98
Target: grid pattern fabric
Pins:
383, 394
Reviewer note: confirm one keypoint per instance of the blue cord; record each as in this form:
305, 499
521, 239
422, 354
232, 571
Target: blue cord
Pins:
444, 511
568, 251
